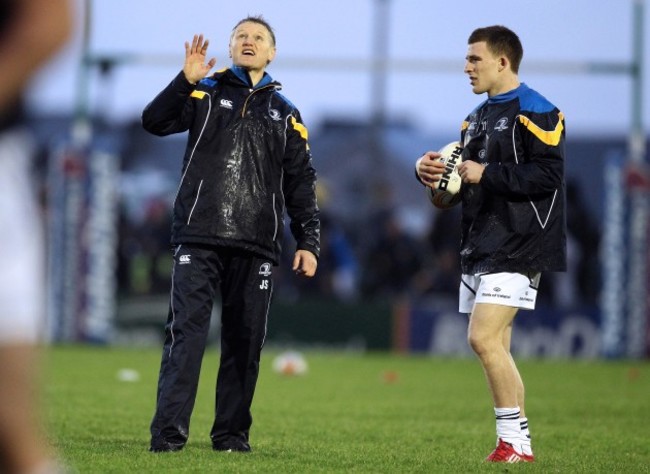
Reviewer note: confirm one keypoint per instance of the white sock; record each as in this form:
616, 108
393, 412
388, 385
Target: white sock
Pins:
525, 437
508, 427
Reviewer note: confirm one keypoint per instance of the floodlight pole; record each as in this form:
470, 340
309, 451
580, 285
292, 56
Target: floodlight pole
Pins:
379, 70
637, 136
81, 126
376, 160
637, 294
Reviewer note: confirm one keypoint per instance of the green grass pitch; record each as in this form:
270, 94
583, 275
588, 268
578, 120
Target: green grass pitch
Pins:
371, 413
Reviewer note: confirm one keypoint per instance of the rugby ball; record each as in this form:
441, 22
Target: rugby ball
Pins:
446, 193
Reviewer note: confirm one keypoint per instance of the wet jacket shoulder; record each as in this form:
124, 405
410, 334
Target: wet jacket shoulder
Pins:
514, 219
247, 159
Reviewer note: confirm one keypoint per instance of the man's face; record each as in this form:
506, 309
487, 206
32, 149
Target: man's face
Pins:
251, 46
483, 69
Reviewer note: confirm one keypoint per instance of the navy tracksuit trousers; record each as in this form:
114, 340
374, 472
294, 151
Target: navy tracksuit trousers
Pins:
244, 282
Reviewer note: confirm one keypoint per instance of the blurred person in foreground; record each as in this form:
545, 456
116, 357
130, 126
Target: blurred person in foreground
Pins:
513, 222
31, 32
247, 158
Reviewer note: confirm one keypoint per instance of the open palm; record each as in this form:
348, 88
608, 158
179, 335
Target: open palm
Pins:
195, 67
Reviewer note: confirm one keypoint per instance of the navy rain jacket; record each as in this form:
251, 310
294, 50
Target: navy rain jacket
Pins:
247, 157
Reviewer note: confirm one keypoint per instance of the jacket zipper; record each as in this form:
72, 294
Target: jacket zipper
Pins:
243, 109
243, 113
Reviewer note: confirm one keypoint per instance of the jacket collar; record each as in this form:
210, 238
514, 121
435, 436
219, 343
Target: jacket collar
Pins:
242, 74
506, 96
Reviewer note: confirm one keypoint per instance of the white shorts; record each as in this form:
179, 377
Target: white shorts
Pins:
22, 265
508, 289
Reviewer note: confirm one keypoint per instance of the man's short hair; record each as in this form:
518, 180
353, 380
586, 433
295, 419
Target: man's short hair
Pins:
260, 21
500, 41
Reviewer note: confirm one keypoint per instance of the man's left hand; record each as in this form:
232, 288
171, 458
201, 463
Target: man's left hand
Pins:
305, 263
471, 171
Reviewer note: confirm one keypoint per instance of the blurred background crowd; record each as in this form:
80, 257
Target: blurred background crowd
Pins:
376, 89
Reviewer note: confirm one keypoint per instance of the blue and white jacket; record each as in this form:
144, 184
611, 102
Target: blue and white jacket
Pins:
514, 219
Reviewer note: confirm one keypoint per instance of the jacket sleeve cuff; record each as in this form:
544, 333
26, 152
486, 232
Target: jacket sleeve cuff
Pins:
182, 83
309, 248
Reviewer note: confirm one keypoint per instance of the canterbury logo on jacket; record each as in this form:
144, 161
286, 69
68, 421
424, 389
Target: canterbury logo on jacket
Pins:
247, 158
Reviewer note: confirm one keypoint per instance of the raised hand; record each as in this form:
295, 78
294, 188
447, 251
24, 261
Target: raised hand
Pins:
195, 67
